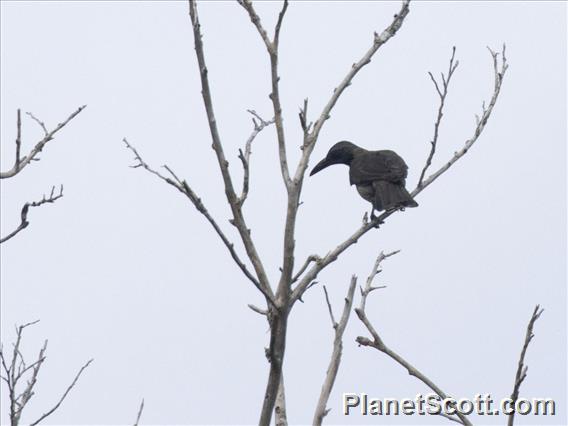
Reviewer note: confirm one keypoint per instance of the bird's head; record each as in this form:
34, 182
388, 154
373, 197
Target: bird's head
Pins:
340, 153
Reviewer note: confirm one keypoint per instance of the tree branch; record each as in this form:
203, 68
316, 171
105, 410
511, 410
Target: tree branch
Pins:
56, 406
333, 368
184, 188
310, 138
16, 368
521, 368
24, 212
20, 162
331, 256
480, 123
245, 157
139, 413
238, 219
329, 308
378, 343
255, 19
442, 94
272, 47
311, 258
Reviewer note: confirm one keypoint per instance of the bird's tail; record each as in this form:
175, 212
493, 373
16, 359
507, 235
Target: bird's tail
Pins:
390, 195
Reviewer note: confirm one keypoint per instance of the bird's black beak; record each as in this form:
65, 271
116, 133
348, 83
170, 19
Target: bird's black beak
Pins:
321, 165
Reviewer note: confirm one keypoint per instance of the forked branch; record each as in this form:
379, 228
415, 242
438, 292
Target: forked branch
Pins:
331, 256
499, 73
272, 48
259, 124
16, 371
185, 189
53, 197
522, 368
238, 218
442, 93
310, 138
21, 162
333, 368
378, 343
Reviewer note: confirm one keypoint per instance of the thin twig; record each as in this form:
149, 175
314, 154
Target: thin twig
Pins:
16, 368
311, 258
53, 197
333, 322
303, 115
22, 162
56, 406
333, 368
499, 73
245, 157
137, 422
14, 371
18, 136
378, 343
374, 272
442, 94
521, 368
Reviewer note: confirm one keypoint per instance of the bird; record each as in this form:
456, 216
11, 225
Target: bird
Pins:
379, 176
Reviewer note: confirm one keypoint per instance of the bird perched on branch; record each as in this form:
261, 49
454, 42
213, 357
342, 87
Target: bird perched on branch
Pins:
378, 175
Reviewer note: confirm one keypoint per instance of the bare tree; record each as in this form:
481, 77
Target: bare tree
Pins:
21, 377
281, 296
15, 370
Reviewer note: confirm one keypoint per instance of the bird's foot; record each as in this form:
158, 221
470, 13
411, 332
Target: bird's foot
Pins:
373, 219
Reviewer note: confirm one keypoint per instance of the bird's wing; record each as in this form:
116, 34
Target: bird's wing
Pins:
377, 165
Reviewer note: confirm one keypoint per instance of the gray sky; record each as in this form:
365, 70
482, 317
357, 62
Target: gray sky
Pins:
124, 270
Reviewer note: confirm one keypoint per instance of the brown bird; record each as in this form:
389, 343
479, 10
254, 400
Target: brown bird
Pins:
378, 175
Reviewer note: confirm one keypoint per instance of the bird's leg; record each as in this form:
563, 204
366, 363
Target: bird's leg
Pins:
373, 217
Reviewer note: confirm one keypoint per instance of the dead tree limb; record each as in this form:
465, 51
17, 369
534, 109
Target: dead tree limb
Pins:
53, 197
378, 343
238, 218
272, 48
245, 156
185, 189
310, 137
499, 73
442, 93
139, 415
522, 368
21, 162
16, 371
333, 368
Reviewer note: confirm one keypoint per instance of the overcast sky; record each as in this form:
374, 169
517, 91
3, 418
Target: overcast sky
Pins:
123, 269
